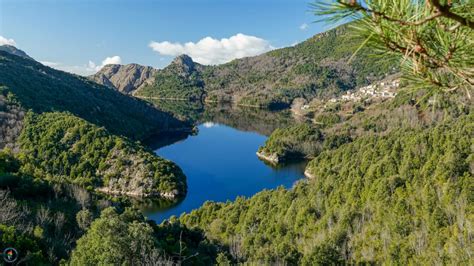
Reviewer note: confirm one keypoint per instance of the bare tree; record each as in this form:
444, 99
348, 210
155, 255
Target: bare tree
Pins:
10, 213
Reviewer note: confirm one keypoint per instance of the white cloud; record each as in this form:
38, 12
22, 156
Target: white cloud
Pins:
304, 26
86, 69
91, 66
210, 51
50, 64
4, 41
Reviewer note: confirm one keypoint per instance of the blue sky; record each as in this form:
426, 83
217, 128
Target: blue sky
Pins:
79, 35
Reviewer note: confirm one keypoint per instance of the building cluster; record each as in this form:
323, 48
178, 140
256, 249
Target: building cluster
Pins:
386, 89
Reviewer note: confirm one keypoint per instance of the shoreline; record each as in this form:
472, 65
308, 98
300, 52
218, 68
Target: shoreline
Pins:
271, 159
172, 195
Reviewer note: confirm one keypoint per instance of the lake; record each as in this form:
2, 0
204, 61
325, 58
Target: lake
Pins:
220, 164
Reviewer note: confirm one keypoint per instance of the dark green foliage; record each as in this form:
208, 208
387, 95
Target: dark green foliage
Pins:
180, 80
43, 89
39, 219
404, 197
27, 247
65, 149
127, 238
116, 239
299, 141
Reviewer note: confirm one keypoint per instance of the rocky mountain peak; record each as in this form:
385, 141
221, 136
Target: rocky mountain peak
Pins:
183, 64
124, 78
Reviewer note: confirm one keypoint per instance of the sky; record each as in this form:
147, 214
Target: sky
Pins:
83, 35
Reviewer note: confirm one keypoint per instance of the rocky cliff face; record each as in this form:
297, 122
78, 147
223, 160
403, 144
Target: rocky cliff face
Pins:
183, 65
124, 78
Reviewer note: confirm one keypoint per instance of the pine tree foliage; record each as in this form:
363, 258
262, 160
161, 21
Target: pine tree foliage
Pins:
432, 38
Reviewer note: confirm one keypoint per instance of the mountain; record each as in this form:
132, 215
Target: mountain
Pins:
317, 67
15, 51
181, 79
124, 78
42, 89
67, 129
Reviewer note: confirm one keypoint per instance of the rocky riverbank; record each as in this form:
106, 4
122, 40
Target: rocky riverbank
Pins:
308, 174
170, 195
273, 158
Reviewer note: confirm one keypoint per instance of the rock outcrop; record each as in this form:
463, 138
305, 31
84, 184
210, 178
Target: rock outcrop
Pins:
183, 65
124, 78
272, 158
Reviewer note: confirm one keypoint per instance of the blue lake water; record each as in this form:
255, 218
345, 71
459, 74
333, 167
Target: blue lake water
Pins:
220, 164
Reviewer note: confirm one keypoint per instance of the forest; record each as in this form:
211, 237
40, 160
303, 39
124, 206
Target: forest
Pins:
396, 198
389, 181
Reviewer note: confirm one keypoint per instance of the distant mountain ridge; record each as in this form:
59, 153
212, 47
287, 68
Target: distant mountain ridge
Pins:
43, 89
15, 51
316, 67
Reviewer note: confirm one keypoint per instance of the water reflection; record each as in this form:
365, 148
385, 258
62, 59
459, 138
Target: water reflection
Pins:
220, 161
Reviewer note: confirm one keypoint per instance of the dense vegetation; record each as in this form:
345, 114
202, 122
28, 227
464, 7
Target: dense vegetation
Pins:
65, 149
43, 89
294, 142
39, 219
46, 221
405, 197
180, 80
390, 183
128, 239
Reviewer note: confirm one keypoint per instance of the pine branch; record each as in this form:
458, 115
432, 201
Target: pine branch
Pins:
445, 11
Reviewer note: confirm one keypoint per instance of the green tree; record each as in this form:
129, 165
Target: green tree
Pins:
116, 239
84, 219
432, 38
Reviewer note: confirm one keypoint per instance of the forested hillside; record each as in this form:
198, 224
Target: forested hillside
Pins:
45, 221
43, 89
62, 148
69, 151
332, 124
319, 66
404, 197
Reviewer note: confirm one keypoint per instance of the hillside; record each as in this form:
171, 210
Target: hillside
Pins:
15, 51
179, 80
63, 148
316, 67
43, 89
401, 197
68, 130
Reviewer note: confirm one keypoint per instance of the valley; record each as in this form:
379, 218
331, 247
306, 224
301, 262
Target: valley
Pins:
353, 146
